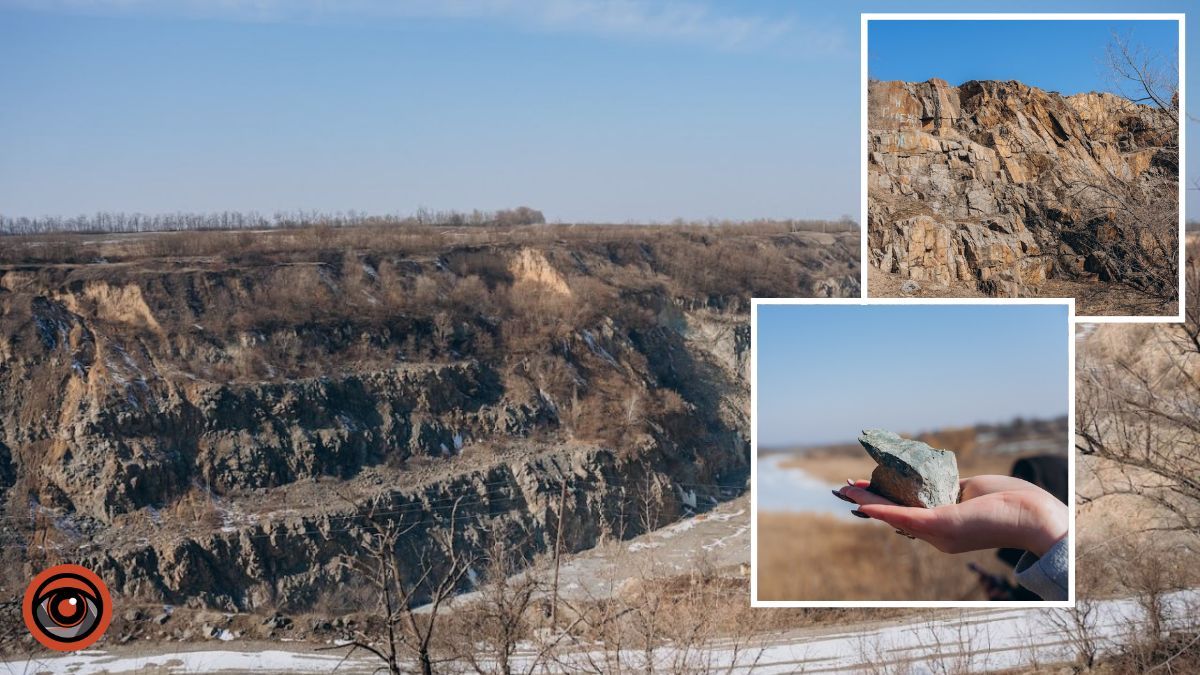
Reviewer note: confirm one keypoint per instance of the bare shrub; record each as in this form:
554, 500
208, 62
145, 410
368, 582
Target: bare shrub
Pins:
1079, 624
470, 294
1131, 225
198, 507
1147, 432
547, 316
403, 633
1150, 574
487, 631
426, 292
652, 620
957, 644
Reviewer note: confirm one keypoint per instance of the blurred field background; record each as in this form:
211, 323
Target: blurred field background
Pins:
809, 554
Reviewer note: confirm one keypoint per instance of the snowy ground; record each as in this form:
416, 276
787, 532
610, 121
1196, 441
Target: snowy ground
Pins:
719, 538
969, 641
200, 661
782, 488
963, 641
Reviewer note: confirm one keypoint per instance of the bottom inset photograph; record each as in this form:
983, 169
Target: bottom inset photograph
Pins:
912, 453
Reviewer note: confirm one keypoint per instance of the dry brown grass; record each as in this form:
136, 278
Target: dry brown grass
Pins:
821, 557
76, 248
837, 467
1091, 298
834, 468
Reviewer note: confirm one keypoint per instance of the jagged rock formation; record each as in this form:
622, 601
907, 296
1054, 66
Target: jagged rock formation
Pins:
209, 429
910, 472
1002, 186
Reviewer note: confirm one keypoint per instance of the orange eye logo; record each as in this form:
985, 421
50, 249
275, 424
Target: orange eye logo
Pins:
67, 607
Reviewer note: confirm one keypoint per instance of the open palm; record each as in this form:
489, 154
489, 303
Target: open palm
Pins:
993, 512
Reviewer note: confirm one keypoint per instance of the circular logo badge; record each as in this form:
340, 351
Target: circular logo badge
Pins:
67, 607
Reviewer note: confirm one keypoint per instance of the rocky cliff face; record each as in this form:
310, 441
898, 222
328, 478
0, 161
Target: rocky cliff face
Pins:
215, 431
1003, 186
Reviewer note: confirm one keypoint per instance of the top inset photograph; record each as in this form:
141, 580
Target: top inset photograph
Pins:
1026, 158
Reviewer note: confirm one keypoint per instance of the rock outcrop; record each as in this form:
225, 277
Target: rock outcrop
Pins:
1002, 186
217, 431
910, 472
290, 558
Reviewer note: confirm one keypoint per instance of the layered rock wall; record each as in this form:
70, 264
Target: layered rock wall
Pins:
1000, 185
221, 435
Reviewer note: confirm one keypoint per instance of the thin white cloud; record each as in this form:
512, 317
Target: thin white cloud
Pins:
690, 21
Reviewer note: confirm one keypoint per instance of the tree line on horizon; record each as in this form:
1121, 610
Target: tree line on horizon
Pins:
132, 222
121, 222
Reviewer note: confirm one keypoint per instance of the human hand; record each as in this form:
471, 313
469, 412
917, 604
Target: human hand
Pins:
993, 512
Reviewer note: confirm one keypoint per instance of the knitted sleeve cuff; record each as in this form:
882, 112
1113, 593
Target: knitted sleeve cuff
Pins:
1047, 575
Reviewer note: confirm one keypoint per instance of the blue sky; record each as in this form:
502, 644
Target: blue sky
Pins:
825, 372
588, 110
1063, 56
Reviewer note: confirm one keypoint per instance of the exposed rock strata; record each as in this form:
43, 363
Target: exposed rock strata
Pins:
206, 433
985, 183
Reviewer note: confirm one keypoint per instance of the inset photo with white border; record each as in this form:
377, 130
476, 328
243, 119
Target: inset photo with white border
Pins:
1043, 162
912, 453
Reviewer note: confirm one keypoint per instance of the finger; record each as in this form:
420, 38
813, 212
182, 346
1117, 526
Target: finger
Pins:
912, 519
967, 489
977, 486
861, 496
858, 483
840, 496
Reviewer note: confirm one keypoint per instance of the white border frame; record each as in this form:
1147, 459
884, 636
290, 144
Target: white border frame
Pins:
867, 17
979, 604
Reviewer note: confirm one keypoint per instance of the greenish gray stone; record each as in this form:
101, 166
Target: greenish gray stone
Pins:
910, 472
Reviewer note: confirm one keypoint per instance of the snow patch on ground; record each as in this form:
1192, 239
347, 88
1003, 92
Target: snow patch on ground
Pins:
267, 661
972, 641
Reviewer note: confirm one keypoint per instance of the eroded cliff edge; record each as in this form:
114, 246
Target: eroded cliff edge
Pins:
206, 420
1001, 187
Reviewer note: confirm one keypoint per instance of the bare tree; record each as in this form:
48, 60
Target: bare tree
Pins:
1140, 415
501, 617
120, 221
1143, 76
1130, 226
406, 633
955, 644
1137, 419
645, 617
1078, 625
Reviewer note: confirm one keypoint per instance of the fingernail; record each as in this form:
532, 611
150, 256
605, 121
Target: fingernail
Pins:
849, 482
842, 497
858, 513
